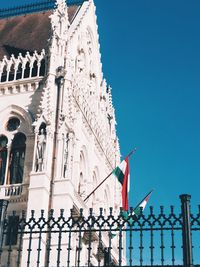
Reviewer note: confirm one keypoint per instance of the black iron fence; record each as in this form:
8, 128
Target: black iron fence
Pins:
87, 239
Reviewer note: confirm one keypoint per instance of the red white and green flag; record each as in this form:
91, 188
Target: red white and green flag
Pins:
122, 172
142, 204
140, 207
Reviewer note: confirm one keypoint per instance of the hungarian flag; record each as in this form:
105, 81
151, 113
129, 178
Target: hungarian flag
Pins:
140, 207
142, 204
122, 172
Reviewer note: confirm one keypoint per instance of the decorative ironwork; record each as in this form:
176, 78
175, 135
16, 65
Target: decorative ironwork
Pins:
34, 7
82, 239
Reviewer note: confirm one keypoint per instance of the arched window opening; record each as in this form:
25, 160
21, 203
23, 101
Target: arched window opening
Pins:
4, 75
34, 69
16, 161
3, 157
80, 185
19, 72
65, 155
11, 73
42, 68
82, 170
27, 70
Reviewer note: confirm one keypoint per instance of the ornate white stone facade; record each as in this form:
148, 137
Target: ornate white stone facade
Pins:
67, 116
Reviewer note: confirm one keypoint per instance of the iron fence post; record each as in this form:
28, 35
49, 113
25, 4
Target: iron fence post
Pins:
186, 230
107, 257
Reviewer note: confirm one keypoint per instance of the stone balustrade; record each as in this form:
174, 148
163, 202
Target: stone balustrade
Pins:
22, 67
8, 191
18, 87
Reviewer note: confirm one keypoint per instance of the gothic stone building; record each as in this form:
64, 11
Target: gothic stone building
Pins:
57, 123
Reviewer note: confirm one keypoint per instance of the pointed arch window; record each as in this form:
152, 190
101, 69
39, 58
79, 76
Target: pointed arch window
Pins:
11, 73
16, 159
65, 156
27, 73
34, 71
81, 184
3, 158
19, 72
42, 68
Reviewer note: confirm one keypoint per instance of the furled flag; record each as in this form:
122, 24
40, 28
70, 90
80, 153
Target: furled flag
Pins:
142, 204
140, 207
122, 172
136, 211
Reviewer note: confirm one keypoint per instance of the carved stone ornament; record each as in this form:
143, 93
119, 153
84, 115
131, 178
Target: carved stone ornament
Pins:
70, 67
80, 61
59, 19
61, 5
89, 43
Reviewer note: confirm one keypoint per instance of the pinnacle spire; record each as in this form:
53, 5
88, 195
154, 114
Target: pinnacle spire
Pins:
61, 3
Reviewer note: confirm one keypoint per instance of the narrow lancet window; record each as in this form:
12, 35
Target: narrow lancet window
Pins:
3, 158
42, 68
16, 161
66, 152
19, 72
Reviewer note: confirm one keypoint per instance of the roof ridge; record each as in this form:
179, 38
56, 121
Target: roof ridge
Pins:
44, 5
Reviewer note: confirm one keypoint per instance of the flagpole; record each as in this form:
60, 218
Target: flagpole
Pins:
132, 152
98, 186
143, 199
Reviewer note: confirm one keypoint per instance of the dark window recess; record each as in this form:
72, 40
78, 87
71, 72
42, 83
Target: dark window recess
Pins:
42, 68
11, 73
4, 75
16, 161
3, 157
12, 230
19, 72
27, 71
34, 69
13, 124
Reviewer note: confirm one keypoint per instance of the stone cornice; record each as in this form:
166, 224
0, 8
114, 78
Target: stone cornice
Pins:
19, 86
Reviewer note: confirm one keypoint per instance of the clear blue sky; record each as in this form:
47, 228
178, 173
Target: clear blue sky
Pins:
151, 58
